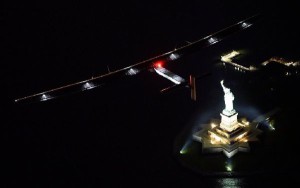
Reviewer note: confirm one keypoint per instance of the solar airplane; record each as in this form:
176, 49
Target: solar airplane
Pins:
155, 63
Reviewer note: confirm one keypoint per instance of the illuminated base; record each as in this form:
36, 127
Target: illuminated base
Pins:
228, 136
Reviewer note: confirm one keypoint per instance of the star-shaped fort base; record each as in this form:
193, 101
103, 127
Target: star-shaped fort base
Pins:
216, 138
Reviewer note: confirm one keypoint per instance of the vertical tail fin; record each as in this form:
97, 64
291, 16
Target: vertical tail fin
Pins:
193, 88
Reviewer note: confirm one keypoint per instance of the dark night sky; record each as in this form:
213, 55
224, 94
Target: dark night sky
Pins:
120, 135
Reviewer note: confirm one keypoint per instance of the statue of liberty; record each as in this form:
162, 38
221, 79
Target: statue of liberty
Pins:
228, 98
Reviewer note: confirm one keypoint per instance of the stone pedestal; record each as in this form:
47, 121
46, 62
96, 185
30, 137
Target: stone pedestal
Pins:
229, 122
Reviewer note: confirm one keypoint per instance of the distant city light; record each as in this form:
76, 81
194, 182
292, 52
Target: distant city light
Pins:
228, 57
282, 61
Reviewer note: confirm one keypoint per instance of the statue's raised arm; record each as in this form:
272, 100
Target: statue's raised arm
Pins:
225, 89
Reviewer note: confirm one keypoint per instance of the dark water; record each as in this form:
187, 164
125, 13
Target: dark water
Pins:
123, 135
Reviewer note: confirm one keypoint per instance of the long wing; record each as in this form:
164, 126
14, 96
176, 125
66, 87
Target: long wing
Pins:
143, 65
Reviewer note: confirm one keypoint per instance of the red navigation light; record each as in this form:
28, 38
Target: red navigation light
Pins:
158, 64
